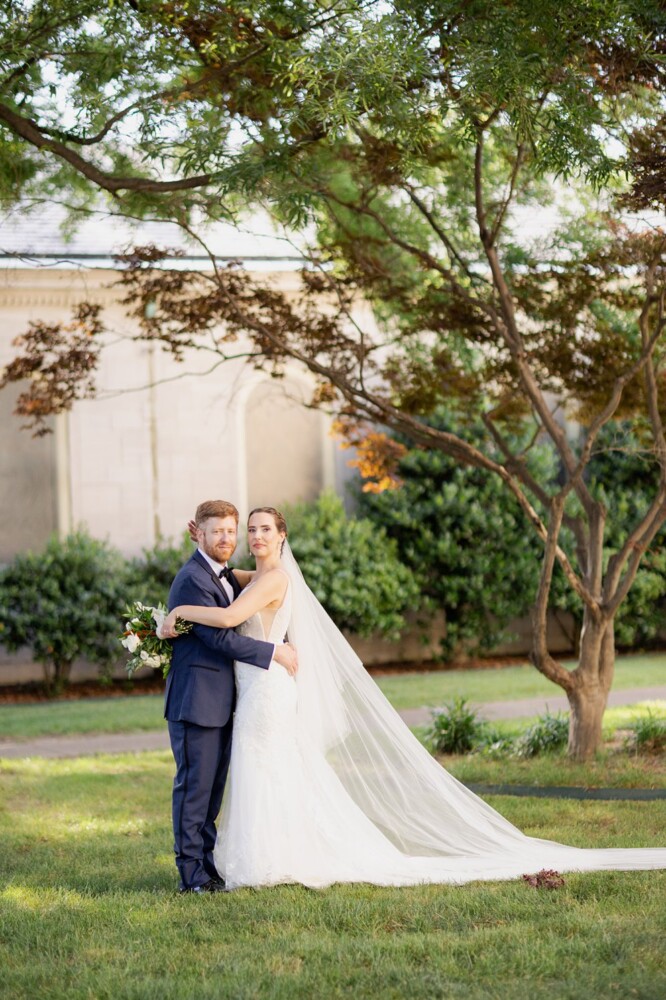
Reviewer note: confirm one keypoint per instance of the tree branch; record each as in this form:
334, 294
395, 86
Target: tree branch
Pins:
649, 341
380, 410
443, 236
541, 656
499, 218
640, 542
422, 255
29, 131
106, 128
514, 341
517, 465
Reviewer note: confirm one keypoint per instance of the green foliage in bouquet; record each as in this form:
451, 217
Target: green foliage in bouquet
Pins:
141, 641
63, 603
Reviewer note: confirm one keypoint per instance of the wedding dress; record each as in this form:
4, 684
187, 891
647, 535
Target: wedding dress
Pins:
327, 784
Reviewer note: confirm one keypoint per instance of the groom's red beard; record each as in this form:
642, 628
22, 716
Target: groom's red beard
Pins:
220, 552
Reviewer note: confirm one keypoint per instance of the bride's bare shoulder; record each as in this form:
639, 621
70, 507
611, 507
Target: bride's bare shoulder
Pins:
279, 578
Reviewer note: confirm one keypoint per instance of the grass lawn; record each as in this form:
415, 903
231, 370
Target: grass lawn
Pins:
134, 713
508, 683
89, 910
607, 770
144, 712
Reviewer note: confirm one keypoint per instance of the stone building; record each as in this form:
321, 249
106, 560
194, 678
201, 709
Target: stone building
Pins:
132, 464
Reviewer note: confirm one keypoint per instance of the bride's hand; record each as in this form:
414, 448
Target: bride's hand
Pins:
167, 630
286, 655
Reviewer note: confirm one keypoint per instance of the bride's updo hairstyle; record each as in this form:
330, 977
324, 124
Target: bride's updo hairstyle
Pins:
277, 516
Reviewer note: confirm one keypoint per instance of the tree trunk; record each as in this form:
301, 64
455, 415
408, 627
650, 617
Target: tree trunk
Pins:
593, 677
61, 672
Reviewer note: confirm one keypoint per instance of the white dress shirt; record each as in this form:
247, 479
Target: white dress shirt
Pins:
216, 567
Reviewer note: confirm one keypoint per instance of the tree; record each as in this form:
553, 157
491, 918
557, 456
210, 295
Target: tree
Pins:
407, 134
465, 539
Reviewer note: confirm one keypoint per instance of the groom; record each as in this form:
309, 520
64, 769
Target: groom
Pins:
200, 695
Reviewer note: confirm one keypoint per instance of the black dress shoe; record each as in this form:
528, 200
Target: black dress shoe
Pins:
210, 886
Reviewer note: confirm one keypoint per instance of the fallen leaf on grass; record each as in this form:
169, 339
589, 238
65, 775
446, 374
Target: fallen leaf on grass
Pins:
547, 878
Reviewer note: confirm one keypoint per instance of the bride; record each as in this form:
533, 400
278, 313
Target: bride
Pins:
326, 782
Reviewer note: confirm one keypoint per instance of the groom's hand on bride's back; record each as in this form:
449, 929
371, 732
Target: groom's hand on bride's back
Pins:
287, 657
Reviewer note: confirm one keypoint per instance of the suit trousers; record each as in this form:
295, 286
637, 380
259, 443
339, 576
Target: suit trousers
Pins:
202, 755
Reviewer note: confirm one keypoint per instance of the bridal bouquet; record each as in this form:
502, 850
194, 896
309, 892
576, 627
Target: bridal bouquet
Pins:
140, 638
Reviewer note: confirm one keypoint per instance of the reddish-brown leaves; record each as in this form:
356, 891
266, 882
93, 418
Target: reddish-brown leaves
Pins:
58, 361
547, 878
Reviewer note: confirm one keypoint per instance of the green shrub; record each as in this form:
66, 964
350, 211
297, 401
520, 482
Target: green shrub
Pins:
150, 575
352, 567
64, 603
465, 538
456, 728
649, 734
494, 743
549, 733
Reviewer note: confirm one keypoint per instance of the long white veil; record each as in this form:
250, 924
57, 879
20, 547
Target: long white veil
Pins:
424, 811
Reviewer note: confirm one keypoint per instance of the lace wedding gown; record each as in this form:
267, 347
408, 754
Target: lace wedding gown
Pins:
285, 817
326, 783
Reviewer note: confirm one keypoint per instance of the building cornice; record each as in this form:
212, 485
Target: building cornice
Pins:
65, 285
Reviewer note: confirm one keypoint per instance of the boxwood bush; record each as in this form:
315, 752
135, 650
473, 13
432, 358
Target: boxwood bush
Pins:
149, 576
63, 603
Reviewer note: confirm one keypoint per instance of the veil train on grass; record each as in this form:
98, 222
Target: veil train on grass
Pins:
446, 832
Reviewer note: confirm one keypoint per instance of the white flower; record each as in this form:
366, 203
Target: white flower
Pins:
131, 642
144, 656
158, 616
151, 661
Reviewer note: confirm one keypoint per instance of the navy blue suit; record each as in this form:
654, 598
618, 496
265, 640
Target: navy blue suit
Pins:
198, 705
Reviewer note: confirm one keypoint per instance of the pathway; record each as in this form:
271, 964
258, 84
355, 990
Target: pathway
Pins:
83, 745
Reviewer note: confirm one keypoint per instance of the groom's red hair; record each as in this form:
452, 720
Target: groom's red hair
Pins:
214, 508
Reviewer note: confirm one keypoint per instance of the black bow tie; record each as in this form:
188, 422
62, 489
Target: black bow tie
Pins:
225, 573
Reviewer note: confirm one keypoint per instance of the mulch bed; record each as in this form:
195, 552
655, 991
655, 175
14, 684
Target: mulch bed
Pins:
16, 694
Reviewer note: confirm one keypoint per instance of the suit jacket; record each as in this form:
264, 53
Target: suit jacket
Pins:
200, 686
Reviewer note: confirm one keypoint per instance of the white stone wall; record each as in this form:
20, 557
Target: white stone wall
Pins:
160, 436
